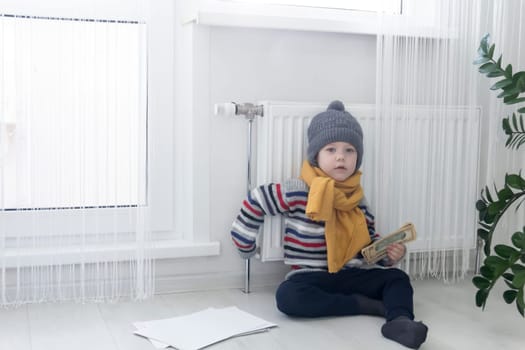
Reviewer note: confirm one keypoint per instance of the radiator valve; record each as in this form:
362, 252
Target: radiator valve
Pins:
249, 110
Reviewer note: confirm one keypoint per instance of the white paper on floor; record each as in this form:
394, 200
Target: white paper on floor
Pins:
201, 329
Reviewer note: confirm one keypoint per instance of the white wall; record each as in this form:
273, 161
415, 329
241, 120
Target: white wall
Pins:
250, 65
254, 64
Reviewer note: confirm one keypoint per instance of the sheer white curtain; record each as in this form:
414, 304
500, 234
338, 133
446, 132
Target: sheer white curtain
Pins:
424, 65
74, 223
506, 26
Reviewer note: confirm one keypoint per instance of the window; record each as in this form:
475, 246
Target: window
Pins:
73, 113
122, 52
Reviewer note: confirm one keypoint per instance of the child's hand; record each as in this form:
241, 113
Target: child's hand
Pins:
395, 252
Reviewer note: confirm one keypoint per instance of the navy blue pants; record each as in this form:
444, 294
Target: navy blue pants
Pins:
318, 294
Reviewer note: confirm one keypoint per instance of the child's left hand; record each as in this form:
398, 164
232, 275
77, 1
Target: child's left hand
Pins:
395, 252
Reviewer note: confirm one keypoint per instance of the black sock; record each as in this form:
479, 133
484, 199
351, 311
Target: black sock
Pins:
405, 331
369, 306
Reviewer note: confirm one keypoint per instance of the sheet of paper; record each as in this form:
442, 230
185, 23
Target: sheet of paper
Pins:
147, 324
157, 344
203, 328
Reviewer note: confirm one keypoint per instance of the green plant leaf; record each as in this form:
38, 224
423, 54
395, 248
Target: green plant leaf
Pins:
520, 303
515, 181
489, 219
520, 141
510, 100
518, 239
505, 194
518, 75
496, 74
517, 122
515, 140
508, 71
517, 268
491, 50
496, 207
493, 261
481, 297
505, 251
501, 84
509, 92
521, 110
519, 280
488, 67
482, 215
505, 124
481, 60
483, 234
483, 44
481, 52
511, 128
480, 205
487, 194
509, 296
480, 282
486, 272
521, 84
497, 264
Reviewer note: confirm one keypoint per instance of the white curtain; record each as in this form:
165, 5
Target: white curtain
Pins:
424, 65
505, 22
74, 218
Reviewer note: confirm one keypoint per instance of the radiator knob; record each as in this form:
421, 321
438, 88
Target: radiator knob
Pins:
226, 109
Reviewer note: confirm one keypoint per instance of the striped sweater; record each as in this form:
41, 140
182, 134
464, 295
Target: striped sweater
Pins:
304, 240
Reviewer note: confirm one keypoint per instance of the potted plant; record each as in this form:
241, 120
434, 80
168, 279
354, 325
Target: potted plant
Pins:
502, 261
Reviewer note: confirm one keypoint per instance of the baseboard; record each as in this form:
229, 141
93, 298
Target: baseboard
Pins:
213, 281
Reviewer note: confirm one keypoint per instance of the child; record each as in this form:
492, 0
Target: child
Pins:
327, 224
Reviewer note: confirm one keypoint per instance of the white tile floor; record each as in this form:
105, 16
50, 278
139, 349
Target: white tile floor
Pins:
448, 310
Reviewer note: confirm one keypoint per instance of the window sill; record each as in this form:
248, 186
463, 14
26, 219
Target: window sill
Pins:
166, 249
357, 24
317, 20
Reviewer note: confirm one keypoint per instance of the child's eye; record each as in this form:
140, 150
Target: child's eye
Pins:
330, 149
350, 150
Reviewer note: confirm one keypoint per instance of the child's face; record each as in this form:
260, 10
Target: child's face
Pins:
338, 160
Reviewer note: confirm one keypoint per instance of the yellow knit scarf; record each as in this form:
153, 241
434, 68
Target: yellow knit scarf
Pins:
335, 203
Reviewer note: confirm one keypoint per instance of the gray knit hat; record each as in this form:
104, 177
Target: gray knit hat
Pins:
333, 125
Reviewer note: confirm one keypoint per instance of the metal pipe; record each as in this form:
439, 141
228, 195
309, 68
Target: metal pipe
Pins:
249, 156
248, 189
250, 111
247, 276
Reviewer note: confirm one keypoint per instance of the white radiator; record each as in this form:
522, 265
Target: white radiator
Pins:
426, 174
